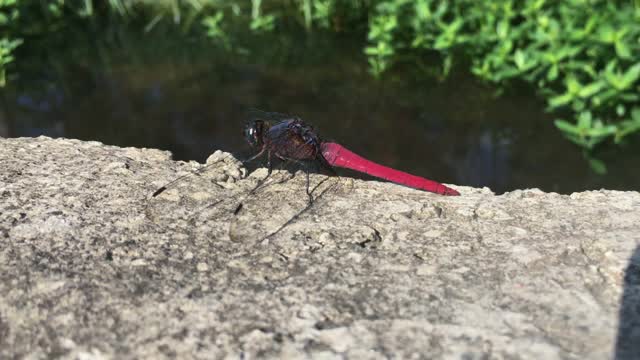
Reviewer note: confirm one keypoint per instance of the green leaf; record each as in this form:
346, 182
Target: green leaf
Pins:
584, 120
603, 131
629, 126
561, 100
591, 89
598, 166
371, 50
553, 73
502, 29
566, 127
635, 114
630, 97
519, 58
607, 34
573, 85
622, 50
578, 105
631, 75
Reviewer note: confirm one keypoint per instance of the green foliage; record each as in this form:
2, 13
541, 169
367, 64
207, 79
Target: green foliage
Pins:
6, 57
8, 13
213, 24
381, 31
582, 55
258, 20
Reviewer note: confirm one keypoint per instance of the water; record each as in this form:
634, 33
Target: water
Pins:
185, 96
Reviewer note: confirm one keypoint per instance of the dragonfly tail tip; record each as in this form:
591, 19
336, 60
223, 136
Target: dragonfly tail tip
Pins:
451, 192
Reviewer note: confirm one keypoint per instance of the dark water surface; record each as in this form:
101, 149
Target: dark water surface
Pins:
185, 97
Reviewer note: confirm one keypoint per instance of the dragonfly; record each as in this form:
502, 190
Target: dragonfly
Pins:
296, 141
291, 140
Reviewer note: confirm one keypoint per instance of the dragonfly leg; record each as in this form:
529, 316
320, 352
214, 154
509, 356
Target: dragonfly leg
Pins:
269, 171
308, 191
317, 167
166, 186
254, 156
244, 162
262, 182
299, 214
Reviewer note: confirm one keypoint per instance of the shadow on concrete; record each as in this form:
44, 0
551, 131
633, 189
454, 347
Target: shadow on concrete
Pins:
628, 341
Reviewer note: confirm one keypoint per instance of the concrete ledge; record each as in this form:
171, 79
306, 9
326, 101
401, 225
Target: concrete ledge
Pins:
92, 267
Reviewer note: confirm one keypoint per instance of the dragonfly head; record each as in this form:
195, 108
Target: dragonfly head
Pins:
253, 132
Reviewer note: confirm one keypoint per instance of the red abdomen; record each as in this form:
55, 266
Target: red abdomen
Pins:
337, 155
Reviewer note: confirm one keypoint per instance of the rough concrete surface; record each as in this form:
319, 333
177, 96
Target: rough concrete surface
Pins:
92, 267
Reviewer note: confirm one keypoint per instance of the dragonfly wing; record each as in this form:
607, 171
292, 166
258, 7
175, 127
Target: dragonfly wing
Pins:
257, 114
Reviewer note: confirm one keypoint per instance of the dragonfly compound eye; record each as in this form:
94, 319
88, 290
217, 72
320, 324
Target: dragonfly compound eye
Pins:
253, 133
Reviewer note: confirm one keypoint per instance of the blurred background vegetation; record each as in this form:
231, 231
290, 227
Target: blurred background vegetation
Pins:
581, 57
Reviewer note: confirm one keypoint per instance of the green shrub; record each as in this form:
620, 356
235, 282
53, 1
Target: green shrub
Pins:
8, 13
583, 55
